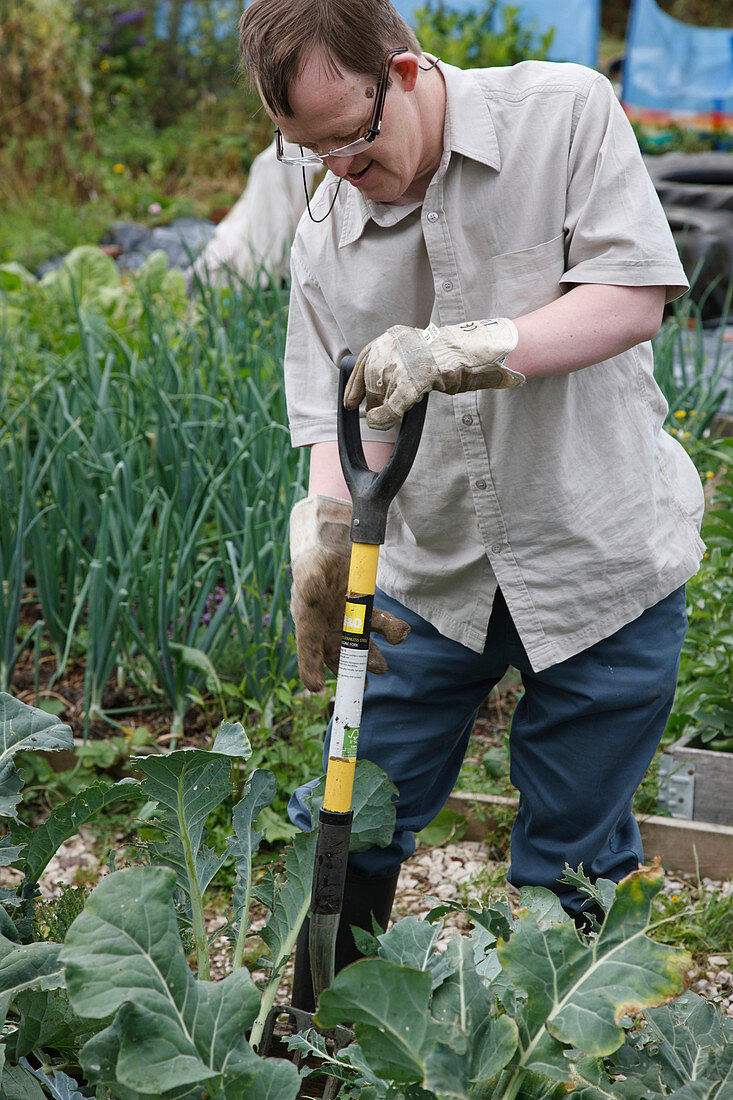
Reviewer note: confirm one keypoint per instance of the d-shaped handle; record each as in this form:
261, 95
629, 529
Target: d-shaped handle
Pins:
372, 494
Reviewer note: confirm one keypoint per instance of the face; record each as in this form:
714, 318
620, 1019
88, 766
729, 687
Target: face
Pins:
331, 111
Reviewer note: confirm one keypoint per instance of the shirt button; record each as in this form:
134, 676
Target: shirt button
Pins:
447, 285
480, 484
467, 419
497, 548
433, 216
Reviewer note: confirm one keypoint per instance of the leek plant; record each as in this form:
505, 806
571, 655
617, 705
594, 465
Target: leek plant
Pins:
157, 509
171, 585
19, 465
691, 372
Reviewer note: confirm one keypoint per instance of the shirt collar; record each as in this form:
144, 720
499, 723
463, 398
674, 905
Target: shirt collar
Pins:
469, 130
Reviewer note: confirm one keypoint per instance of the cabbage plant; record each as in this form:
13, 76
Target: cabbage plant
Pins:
523, 1007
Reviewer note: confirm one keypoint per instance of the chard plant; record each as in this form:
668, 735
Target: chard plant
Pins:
201, 1035
526, 1007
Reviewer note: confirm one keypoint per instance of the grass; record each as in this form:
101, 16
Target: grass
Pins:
697, 916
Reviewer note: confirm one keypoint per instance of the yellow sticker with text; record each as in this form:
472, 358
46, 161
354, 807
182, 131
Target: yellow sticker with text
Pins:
354, 618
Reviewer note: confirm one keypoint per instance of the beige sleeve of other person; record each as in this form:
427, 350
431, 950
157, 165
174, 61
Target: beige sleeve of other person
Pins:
258, 231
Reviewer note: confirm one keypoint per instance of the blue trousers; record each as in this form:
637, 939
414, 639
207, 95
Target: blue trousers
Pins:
582, 736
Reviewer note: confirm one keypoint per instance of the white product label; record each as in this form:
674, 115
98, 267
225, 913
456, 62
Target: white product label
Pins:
348, 702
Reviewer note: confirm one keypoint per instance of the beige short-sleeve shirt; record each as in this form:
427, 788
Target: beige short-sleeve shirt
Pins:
567, 491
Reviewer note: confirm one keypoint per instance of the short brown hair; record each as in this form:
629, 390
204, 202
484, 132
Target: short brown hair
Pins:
277, 36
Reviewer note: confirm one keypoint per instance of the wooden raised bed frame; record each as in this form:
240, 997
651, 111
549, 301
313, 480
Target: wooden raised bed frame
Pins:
692, 847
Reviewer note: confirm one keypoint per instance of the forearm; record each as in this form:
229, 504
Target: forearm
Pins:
590, 323
325, 468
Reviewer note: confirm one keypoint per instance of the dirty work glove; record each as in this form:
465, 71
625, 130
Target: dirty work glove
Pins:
320, 551
396, 369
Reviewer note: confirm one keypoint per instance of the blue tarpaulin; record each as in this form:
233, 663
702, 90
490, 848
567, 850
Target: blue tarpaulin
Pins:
215, 18
677, 72
576, 23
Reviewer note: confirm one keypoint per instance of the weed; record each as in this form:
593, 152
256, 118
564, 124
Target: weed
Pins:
698, 916
53, 918
489, 34
702, 708
486, 885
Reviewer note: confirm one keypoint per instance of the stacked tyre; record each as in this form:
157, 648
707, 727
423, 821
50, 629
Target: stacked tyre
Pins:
696, 190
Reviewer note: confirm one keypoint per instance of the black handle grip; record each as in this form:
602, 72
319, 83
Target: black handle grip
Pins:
372, 494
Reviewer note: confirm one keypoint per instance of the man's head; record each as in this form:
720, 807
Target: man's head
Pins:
317, 68
277, 37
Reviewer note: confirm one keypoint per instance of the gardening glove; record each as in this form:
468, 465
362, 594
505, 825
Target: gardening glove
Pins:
320, 552
396, 369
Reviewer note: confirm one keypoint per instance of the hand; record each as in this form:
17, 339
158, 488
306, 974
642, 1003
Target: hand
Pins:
396, 369
320, 551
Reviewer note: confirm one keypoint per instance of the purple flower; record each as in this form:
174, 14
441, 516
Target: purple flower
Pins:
135, 16
141, 40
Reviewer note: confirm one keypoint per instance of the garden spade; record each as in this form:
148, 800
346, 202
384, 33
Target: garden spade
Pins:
371, 496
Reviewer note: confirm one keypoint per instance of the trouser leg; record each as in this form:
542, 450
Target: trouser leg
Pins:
582, 737
366, 897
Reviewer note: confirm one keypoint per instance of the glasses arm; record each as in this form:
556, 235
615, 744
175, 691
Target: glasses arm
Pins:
376, 123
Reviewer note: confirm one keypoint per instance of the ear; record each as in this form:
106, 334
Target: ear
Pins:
405, 67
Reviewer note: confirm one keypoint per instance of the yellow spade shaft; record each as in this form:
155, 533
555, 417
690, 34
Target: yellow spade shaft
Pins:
349, 693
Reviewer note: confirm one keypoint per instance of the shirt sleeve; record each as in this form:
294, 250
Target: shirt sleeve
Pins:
616, 229
314, 348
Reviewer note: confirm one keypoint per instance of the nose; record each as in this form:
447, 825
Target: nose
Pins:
340, 166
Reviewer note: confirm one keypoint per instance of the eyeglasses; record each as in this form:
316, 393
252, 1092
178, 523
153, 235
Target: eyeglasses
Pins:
354, 147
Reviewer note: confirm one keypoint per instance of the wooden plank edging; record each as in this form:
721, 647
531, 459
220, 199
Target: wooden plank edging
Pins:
687, 846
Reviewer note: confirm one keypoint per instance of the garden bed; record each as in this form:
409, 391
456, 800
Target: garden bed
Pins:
696, 783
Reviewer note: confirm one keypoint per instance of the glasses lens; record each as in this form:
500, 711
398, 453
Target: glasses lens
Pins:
291, 157
304, 158
350, 150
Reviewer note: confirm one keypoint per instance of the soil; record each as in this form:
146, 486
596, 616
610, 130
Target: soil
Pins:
127, 705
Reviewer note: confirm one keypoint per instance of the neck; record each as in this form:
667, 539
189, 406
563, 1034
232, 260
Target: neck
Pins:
430, 90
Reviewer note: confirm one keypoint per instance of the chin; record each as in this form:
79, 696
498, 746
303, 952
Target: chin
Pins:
384, 191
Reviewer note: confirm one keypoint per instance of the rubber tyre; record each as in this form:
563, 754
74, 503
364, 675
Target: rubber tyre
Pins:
693, 179
704, 240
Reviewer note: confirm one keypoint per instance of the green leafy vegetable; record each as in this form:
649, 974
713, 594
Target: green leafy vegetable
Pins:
66, 820
124, 956
22, 728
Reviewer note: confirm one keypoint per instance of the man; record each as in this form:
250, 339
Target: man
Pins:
492, 236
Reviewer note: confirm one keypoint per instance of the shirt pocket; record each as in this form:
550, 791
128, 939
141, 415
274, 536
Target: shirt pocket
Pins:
525, 280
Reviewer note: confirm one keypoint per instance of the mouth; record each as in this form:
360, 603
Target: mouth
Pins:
357, 177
